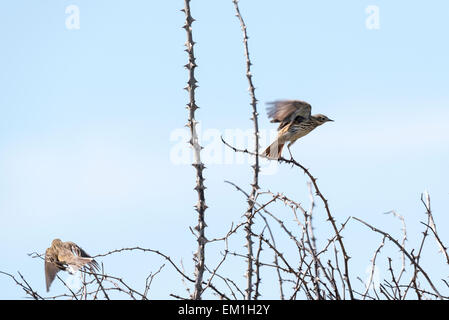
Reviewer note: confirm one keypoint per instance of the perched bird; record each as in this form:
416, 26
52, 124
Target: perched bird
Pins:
65, 256
295, 122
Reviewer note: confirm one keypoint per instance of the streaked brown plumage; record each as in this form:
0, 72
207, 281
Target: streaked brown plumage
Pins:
65, 256
295, 122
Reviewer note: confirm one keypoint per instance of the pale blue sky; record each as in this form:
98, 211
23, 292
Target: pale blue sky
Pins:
86, 118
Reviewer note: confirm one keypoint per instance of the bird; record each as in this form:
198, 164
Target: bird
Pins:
66, 256
295, 120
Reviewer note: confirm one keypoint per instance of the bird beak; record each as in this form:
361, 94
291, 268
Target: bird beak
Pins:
330, 120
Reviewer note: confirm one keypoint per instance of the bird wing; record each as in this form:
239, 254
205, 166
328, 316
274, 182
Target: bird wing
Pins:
288, 110
50, 270
78, 251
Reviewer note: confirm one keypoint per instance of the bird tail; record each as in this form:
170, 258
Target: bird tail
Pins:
274, 150
94, 265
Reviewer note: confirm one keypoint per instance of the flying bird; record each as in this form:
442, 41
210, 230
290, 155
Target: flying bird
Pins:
67, 256
295, 122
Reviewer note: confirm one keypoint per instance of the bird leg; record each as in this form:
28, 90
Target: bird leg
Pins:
289, 151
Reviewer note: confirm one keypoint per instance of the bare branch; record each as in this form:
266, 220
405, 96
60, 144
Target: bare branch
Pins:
408, 255
199, 166
255, 185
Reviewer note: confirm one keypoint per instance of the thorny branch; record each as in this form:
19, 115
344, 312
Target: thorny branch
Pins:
255, 184
407, 254
199, 256
330, 218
